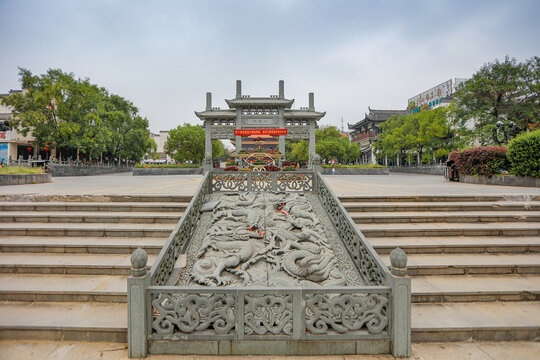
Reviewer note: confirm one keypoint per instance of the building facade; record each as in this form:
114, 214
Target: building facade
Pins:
13, 144
273, 114
366, 131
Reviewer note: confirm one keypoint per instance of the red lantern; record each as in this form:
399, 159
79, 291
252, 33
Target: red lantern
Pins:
29, 148
46, 148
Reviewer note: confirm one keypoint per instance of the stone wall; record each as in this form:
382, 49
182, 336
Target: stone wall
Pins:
426, 170
504, 180
21, 179
166, 171
353, 171
74, 170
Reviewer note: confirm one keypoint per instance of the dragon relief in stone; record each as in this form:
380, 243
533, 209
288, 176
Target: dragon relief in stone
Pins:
268, 239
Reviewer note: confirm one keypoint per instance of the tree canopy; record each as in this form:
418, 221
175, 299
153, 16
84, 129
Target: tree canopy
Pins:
69, 114
506, 91
186, 143
427, 134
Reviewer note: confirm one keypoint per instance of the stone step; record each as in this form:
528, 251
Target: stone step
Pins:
94, 206
116, 198
481, 321
86, 230
441, 206
451, 229
471, 264
60, 288
73, 244
438, 198
89, 217
445, 217
457, 244
64, 321
475, 288
71, 264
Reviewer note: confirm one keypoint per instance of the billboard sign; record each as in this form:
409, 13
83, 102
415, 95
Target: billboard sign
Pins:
431, 97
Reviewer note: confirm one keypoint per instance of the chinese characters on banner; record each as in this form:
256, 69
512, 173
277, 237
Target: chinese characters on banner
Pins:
248, 132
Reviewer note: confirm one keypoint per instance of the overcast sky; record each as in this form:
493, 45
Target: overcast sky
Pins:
165, 55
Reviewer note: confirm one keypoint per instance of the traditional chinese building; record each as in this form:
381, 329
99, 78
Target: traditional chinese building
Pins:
366, 131
248, 116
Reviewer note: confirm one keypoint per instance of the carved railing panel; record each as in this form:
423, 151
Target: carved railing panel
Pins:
346, 313
180, 236
268, 314
294, 181
367, 260
262, 181
190, 313
193, 313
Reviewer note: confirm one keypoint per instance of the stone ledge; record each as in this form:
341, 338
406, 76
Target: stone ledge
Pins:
503, 180
426, 170
22, 179
166, 171
74, 170
352, 171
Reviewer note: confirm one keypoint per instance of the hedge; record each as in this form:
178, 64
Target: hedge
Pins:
188, 166
524, 154
485, 160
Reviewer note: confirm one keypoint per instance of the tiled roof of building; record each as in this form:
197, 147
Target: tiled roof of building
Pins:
377, 116
260, 101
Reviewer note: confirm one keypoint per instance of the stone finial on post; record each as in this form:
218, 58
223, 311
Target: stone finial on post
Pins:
139, 260
311, 102
401, 304
138, 304
398, 261
281, 89
316, 162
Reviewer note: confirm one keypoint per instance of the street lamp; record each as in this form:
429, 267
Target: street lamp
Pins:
507, 131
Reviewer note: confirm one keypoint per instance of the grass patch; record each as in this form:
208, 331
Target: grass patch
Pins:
362, 166
161, 166
6, 170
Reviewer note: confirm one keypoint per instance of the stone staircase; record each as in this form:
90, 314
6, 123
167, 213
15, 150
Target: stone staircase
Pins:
474, 261
64, 261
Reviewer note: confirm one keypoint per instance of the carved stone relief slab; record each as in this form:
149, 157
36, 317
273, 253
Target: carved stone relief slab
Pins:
267, 239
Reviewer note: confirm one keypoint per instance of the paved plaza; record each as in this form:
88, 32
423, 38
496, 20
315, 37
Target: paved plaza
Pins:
349, 185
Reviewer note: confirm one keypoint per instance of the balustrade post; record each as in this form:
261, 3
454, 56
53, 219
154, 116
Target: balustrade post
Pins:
401, 304
138, 305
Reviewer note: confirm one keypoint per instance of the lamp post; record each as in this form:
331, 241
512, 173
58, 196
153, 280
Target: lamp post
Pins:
507, 131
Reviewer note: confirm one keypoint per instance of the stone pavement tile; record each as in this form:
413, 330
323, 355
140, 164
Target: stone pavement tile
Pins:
515, 350
79, 350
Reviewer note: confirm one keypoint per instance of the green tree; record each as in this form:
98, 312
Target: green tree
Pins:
74, 115
186, 143
327, 132
505, 91
217, 149
300, 151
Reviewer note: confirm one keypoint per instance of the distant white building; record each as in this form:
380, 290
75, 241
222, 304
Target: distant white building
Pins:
161, 139
437, 96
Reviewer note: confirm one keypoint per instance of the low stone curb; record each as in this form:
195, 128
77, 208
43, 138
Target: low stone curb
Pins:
166, 171
22, 179
352, 171
504, 180
426, 170
74, 170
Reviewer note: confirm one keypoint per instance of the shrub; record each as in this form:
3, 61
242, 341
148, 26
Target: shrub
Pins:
231, 168
486, 160
21, 170
271, 168
524, 154
289, 163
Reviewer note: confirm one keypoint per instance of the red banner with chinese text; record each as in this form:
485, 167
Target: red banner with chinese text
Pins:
248, 132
